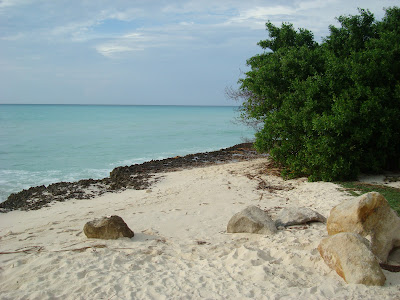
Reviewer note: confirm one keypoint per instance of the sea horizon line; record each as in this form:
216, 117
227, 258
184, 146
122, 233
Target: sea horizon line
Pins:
77, 104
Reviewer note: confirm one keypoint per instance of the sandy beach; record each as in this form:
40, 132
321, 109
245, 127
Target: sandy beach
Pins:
180, 249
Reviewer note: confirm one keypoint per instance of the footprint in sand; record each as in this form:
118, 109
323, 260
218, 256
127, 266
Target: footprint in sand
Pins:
237, 202
27, 238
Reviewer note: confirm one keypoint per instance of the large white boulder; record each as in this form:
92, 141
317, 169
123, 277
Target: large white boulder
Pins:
251, 220
349, 255
369, 214
298, 215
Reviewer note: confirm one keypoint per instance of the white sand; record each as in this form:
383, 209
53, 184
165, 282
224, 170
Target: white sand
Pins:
181, 249
381, 180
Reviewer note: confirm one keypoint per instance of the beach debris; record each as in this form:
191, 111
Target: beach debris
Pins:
298, 215
26, 250
202, 243
391, 179
107, 228
368, 214
390, 268
349, 255
251, 220
82, 249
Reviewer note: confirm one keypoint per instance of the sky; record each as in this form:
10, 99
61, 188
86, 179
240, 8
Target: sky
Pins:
144, 52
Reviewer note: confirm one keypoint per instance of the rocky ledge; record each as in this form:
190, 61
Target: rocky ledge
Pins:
138, 177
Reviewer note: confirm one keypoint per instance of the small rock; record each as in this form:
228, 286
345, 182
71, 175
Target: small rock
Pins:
251, 220
107, 228
349, 255
298, 215
369, 214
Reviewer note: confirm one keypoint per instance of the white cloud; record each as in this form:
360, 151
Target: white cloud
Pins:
112, 50
137, 36
255, 18
15, 37
123, 15
178, 24
10, 3
198, 7
76, 31
86, 29
131, 42
265, 12
169, 36
314, 4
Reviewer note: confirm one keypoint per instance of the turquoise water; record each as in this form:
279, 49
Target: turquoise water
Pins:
43, 144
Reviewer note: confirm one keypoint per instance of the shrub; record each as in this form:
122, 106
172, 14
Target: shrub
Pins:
329, 110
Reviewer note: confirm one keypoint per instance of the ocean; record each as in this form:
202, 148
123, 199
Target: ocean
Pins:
43, 144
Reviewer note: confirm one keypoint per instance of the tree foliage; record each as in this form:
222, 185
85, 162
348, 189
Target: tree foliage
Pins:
329, 110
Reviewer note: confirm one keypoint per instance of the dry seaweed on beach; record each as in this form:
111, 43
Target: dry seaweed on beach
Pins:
390, 268
94, 247
26, 250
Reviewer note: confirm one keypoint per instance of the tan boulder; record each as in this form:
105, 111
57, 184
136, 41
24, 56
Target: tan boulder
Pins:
107, 228
349, 255
369, 214
298, 215
251, 220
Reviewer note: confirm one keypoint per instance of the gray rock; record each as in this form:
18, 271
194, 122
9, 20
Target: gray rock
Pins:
251, 220
349, 255
298, 215
369, 214
107, 228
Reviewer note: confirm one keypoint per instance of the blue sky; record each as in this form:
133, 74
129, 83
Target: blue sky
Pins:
143, 52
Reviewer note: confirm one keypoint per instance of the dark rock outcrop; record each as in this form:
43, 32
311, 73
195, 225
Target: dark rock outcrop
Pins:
139, 177
40, 196
107, 228
136, 176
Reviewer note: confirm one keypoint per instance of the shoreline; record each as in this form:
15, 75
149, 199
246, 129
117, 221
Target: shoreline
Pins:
138, 177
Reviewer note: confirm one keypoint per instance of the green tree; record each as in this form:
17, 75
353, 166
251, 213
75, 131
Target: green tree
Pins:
331, 110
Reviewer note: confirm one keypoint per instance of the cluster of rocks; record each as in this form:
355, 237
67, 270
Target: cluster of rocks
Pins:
255, 220
139, 177
252, 220
346, 250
